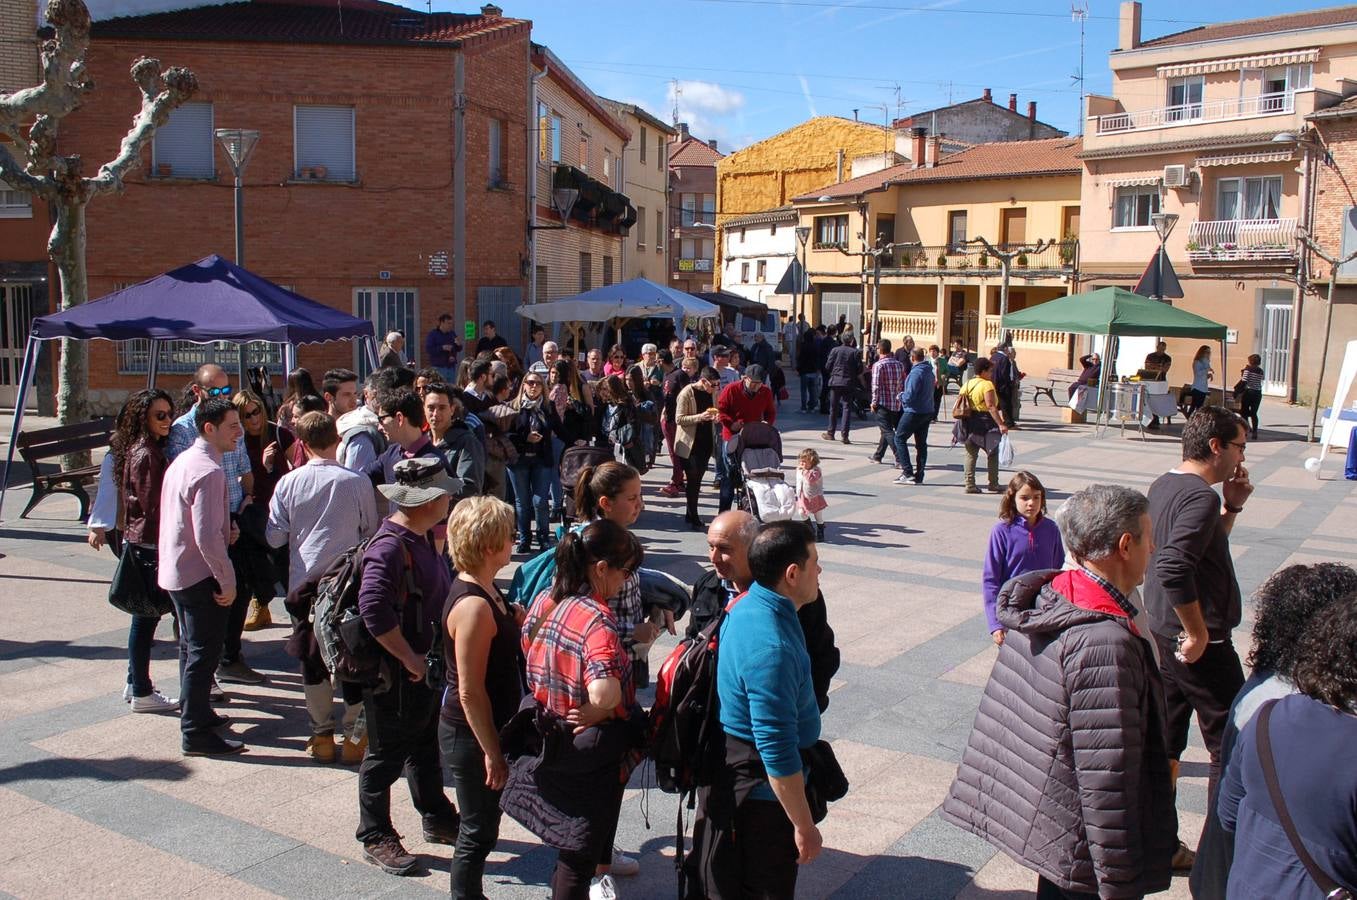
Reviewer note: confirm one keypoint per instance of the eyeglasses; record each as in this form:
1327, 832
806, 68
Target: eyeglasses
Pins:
1240, 444
381, 419
218, 392
251, 413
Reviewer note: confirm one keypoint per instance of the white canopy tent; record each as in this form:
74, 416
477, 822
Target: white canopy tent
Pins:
639, 298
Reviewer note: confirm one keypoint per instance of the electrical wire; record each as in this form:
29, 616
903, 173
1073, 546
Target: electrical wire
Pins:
949, 10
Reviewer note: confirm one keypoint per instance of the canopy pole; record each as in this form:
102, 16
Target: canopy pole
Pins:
26, 374
244, 368
370, 343
1224, 372
153, 363
1103, 369
289, 358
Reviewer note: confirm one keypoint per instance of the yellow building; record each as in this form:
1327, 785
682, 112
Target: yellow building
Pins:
934, 285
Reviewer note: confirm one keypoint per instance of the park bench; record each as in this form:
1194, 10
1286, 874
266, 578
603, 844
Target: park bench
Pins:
51, 443
1056, 378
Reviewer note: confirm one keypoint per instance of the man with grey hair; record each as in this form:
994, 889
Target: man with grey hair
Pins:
393, 351
1066, 769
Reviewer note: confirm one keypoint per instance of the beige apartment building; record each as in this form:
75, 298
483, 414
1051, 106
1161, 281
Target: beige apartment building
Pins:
578, 184
934, 284
1211, 125
645, 181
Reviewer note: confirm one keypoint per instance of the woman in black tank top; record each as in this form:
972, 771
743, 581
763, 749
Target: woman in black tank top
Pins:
484, 679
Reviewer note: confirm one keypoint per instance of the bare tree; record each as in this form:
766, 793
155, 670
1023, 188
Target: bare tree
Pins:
58, 179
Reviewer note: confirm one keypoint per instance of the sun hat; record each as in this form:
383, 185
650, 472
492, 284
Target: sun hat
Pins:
418, 481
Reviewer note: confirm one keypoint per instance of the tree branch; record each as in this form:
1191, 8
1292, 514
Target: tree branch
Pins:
159, 96
64, 84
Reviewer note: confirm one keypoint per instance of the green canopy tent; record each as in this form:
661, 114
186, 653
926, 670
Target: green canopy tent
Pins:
1116, 312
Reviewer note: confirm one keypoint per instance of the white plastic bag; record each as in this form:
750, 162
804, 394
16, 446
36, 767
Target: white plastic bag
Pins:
1006, 452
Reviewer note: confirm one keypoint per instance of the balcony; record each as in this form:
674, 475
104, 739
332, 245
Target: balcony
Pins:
1242, 241
972, 259
1197, 113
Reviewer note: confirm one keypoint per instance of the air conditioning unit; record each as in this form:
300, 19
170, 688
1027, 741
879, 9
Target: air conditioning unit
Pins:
1176, 176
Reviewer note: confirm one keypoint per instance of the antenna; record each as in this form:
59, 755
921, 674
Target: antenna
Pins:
677, 92
1079, 13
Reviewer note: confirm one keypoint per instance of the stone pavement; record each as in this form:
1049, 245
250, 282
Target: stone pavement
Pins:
98, 801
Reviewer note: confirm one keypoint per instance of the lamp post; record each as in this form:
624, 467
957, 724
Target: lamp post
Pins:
1335, 263
802, 236
1163, 226
239, 144
1307, 140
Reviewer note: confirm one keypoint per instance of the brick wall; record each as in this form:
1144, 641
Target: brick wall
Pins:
1336, 191
324, 240
18, 44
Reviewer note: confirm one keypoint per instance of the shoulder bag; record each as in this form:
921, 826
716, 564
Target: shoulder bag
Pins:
1332, 890
962, 408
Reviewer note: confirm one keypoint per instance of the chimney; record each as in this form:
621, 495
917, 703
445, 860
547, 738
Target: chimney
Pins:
683, 131
839, 166
1032, 110
491, 9
1012, 102
934, 150
919, 134
712, 143
988, 97
1128, 30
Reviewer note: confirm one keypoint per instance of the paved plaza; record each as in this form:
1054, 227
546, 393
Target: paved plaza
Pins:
97, 801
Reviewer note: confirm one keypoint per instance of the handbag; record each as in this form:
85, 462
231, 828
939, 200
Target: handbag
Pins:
961, 409
1331, 889
131, 591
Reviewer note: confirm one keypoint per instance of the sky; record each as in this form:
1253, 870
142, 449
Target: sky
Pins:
748, 69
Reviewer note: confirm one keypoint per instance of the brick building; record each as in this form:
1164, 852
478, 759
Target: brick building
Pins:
350, 195
981, 121
1333, 162
692, 212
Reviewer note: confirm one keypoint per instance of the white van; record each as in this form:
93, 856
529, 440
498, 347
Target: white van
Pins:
769, 324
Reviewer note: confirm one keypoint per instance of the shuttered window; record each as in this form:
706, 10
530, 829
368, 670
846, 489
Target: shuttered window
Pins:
324, 142
14, 204
185, 143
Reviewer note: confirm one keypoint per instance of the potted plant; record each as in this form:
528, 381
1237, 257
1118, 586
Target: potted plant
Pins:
984, 259
164, 170
1022, 260
942, 260
965, 263
921, 260
1067, 246
320, 172
1193, 246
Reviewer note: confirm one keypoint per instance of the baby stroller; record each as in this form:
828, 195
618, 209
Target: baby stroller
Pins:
760, 487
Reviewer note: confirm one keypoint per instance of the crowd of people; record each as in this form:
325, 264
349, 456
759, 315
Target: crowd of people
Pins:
1113, 619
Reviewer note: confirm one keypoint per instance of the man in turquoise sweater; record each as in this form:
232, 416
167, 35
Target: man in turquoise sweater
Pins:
769, 714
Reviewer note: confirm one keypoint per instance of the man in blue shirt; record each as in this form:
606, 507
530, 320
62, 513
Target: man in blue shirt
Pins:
441, 349
918, 406
761, 822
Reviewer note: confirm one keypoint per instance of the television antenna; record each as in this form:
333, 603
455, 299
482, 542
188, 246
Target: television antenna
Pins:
1079, 13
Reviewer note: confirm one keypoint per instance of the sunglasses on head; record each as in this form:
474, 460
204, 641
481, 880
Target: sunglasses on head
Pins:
218, 392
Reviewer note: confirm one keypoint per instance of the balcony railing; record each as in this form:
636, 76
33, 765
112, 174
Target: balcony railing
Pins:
1242, 240
923, 327
1030, 338
973, 260
1196, 113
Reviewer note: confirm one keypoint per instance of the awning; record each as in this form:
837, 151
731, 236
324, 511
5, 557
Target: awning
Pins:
1246, 159
1234, 64
734, 302
1135, 180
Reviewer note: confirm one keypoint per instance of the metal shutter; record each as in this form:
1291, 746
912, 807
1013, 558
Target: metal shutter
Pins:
185, 142
325, 138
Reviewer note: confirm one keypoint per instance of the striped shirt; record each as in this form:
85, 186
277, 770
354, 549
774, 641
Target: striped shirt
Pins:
1253, 378
578, 643
888, 379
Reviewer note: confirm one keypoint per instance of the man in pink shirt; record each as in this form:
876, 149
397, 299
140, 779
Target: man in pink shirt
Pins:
195, 530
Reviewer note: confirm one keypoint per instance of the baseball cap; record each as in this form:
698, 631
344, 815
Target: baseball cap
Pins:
755, 373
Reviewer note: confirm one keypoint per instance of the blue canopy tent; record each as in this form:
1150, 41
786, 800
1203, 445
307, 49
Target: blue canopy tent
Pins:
206, 301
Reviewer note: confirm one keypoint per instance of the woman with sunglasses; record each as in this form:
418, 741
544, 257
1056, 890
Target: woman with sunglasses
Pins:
580, 674
572, 404
268, 447
530, 431
617, 361
139, 464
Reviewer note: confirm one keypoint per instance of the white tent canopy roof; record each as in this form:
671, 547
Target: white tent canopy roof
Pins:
639, 298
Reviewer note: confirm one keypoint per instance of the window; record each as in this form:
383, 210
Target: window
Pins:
607, 166
659, 229
744, 273
1280, 81
183, 357
543, 132
741, 235
659, 151
885, 230
762, 271
1134, 206
956, 232
184, 146
831, 231
388, 309
496, 153
15, 204
1185, 98
709, 209
586, 271
324, 143
772, 227
640, 227
689, 204
642, 143
708, 250
688, 248
607, 270
1249, 198
555, 138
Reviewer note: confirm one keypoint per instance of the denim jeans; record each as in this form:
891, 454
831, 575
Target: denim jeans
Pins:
202, 627
532, 488
887, 420
722, 465
479, 806
727, 483
913, 425
140, 639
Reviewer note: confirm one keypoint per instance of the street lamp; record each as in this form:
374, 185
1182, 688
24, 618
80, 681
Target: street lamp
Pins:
802, 236
239, 144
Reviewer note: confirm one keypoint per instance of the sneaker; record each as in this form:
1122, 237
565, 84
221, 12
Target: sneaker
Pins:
390, 856
1183, 858
827, 435
995, 489
238, 673
257, 617
321, 748
127, 692
846, 440
442, 832
623, 865
212, 745
905, 478
524, 546
602, 888
220, 721
154, 702
352, 752
215, 693
972, 489
670, 490
875, 459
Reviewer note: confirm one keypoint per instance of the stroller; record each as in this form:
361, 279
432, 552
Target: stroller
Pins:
761, 489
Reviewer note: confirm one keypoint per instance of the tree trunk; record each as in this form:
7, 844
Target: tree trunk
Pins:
67, 250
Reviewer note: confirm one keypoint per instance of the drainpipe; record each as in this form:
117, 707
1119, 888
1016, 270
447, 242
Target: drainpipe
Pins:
459, 187
1307, 200
532, 173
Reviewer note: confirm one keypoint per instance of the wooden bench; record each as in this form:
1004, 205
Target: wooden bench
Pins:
50, 443
1056, 378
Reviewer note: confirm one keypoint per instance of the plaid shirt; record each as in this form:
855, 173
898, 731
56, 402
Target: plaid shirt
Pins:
1117, 596
577, 643
888, 380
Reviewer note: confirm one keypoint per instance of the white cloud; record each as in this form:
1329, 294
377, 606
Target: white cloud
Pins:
805, 90
710, 110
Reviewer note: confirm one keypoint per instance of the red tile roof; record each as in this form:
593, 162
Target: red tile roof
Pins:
300, 21
1007, 159
694, 152
1314, 18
